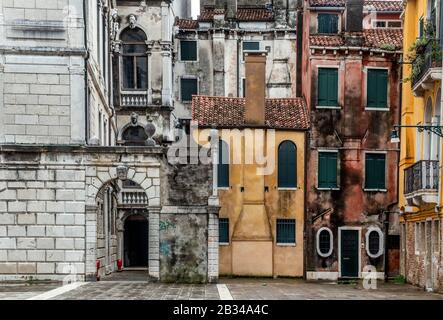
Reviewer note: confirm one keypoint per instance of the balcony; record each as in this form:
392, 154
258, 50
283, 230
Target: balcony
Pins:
133, 199
133, 99
421, 182
426, 67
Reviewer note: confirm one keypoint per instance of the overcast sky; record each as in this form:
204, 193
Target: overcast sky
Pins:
195, 8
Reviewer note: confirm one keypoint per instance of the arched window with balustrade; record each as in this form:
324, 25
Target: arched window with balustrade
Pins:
134, 61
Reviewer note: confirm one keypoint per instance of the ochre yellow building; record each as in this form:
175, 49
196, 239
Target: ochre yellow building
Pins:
262, 213
421, 160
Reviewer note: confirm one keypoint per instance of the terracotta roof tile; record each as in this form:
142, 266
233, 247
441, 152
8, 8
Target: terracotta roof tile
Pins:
289, 113
326, 41
378, 38
387, 6
378, 5
243, 14
186, 24
373, 38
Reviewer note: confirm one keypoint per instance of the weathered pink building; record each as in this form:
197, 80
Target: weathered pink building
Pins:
351, 76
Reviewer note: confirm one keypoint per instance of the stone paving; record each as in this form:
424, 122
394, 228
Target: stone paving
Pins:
239, 288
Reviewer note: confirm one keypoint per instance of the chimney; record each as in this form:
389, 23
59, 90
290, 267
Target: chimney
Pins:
354, 23
231, 9
354, 15
255, 62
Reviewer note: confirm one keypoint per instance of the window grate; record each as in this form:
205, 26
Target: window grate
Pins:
286, 231
223, 232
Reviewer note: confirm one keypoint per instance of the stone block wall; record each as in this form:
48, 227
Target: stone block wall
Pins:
42, 222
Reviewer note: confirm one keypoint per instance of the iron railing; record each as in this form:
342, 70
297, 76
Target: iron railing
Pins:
422, 176
430, 56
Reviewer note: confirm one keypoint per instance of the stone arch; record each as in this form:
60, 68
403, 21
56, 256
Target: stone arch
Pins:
98, 177
125, 26
128, 125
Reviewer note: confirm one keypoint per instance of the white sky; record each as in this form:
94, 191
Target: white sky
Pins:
195, 5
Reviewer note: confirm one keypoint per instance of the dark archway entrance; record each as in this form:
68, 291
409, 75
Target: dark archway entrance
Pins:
136, 242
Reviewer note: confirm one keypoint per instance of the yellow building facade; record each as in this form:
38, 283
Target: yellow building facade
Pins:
262, 188
420, 186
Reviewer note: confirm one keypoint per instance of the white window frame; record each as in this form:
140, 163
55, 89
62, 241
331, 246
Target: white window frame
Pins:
365, 89
180, 50
331, 243
187, 77
330, 66
364, 171
338, 168
381, 242
386, 21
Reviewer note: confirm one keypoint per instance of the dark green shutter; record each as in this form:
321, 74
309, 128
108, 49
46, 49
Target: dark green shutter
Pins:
188, 50
327, 23
223, 230
287, 165
375, 169
377, 88
421, 28
223, 165
327, 170
188, 88
286, 231
328, 87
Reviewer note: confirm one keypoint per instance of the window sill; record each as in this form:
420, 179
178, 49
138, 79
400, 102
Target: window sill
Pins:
223, 188
374, 190
223, 244
188, 60
286, 244
328, 189
328, 107
287, 189
376, 109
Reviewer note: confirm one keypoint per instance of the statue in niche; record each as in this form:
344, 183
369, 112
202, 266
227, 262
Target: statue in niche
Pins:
134, 134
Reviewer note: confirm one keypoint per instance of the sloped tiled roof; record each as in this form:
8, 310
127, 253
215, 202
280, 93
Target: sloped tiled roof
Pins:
379, 5
372, 38
378, 38
289, 113
387, 6
186, 24
243, 14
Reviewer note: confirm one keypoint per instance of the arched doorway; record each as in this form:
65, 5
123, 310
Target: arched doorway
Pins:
135, 242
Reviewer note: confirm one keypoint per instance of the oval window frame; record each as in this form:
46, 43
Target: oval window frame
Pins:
380, 239
331, 242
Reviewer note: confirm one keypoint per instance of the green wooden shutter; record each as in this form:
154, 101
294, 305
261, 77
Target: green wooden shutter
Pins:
188, 88
375, 167
223, 165
377, 88
327, 170
421, 28
251, 45
188, 50
287, 165
327, 87
327, 23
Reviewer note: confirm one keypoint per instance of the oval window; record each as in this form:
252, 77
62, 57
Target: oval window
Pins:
374, 243
324, 242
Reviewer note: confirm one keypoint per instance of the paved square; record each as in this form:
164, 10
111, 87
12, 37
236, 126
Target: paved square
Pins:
136, 287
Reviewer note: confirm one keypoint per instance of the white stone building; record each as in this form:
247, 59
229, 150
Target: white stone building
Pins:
85, 185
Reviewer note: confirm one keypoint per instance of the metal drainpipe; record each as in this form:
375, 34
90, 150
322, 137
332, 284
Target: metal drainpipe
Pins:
305, 237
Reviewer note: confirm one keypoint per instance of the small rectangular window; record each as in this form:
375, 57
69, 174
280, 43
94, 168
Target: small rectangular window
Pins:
377, 88
244, 87
380, 24
223, 233
286, 231
394, 24
327, 170
188, 50
375, 171
327, 23
251, 45
188, 88
328, 87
